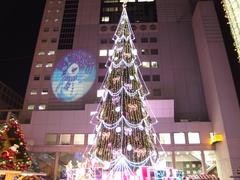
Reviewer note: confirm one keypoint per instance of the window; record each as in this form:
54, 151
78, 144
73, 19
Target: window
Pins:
103, 52
50, 53
49, 65
53, 40
154, 64
146, 64
101, 66
44, 92
104, 41
47, 77
42, 107
91, 138
179, 138
44, 40
55, 29
38, 65
135, 52
156, 77
101, 78
193, 138
33, 92
154, 51
165, 138
146, 78
36, 78
56, 20
105, 19
110, 52
100, 92
145, 52
156, 92
143, 27
31, 107
78, 139
65, 139
51, 139
153, 39
46, 29
41, 53
144, 40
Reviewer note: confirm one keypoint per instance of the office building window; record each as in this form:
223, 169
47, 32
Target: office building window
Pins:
101, 78
79, 139
104, 41
179, 138
53, 40
145, 51
65, 139
50, 53
153, 39
154, 64
110, 52
193, 138
105, 19
165, 138
101, 66
47, 77
44, 40
146, 78
31, 107
55, 29
146, 64
91, 138
39, 65
44, 92
51, 139
42, 53
33, 92
49, 65
42, 107
156, 92
46, 29
154, 51
36, 78
103, 52
144, 40
156, 77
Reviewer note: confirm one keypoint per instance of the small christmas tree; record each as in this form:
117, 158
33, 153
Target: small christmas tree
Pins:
13, 153
124, 139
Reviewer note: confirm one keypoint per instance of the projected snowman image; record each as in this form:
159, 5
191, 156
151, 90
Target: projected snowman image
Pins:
73, 76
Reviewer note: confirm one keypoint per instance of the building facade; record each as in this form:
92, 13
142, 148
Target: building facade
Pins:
179, 47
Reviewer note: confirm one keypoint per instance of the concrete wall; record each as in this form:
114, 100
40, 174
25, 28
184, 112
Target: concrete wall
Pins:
221, 99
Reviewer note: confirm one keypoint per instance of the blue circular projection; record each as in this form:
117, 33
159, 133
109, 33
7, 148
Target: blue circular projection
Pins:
73, 76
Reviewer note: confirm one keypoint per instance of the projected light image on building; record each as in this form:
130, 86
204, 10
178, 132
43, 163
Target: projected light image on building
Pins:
73, 76
232, 10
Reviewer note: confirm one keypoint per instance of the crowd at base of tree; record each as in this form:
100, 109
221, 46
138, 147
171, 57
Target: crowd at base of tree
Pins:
13, 152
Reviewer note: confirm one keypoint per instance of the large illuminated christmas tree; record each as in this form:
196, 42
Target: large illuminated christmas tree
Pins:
124, 131
13, 153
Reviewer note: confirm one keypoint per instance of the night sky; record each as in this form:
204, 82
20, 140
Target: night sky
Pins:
19, 26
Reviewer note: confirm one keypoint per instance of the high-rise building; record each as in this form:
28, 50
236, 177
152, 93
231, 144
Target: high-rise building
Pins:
184, 65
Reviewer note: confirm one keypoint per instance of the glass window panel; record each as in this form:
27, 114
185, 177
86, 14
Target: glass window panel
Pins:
33, 92
65, 139
210, 161
165, 159
31, 107
179, 138
78, 139
51, 139
146, 64
165, 138
42, 107
193, 138
154, 64
103, 52
91, 138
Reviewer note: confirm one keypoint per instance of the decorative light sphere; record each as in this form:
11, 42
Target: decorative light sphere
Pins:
118, 109
141, 128
129, 147
118, 129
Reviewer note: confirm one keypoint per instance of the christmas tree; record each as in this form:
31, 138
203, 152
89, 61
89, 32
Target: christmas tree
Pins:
13, 153
124, 131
